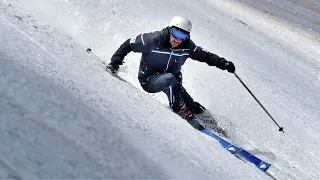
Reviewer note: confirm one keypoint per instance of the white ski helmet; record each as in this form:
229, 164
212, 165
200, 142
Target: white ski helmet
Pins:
181, 23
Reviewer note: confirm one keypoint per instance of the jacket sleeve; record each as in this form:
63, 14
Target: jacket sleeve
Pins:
140, 43
202, 55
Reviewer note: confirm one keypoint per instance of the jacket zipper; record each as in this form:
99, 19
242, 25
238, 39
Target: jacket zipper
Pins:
168, 61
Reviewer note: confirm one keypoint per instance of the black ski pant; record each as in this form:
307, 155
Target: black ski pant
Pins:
171, 85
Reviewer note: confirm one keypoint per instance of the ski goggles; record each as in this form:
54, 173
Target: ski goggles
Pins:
179, 34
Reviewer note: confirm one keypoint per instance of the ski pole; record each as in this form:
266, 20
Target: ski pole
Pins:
280, 128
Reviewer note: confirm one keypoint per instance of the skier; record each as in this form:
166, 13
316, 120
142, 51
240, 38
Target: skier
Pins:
163, 54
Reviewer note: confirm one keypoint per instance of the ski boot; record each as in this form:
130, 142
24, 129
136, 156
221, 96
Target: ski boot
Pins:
196, 107
186, 114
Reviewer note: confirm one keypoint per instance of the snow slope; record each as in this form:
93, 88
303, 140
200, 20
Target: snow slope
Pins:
64, 117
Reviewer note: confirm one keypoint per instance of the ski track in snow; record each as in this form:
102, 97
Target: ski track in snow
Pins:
71, 115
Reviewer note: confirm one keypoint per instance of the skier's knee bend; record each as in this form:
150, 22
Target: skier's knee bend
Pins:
160, 82
170, 80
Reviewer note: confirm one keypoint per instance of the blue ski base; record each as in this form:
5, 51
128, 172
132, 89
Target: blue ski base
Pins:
239, 152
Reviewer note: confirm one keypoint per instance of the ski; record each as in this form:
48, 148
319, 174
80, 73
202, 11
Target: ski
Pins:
228, 146
238, 151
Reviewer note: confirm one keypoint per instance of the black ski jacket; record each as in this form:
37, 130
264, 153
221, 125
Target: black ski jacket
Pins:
159, 57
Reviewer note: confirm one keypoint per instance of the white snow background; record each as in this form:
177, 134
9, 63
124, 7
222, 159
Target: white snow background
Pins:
63, 117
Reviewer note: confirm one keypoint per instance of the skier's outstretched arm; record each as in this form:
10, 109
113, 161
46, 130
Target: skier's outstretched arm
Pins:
140, 43
121, 52
202, 55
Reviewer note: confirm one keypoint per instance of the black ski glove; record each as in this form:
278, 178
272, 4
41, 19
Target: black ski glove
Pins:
229, 66
112, 67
